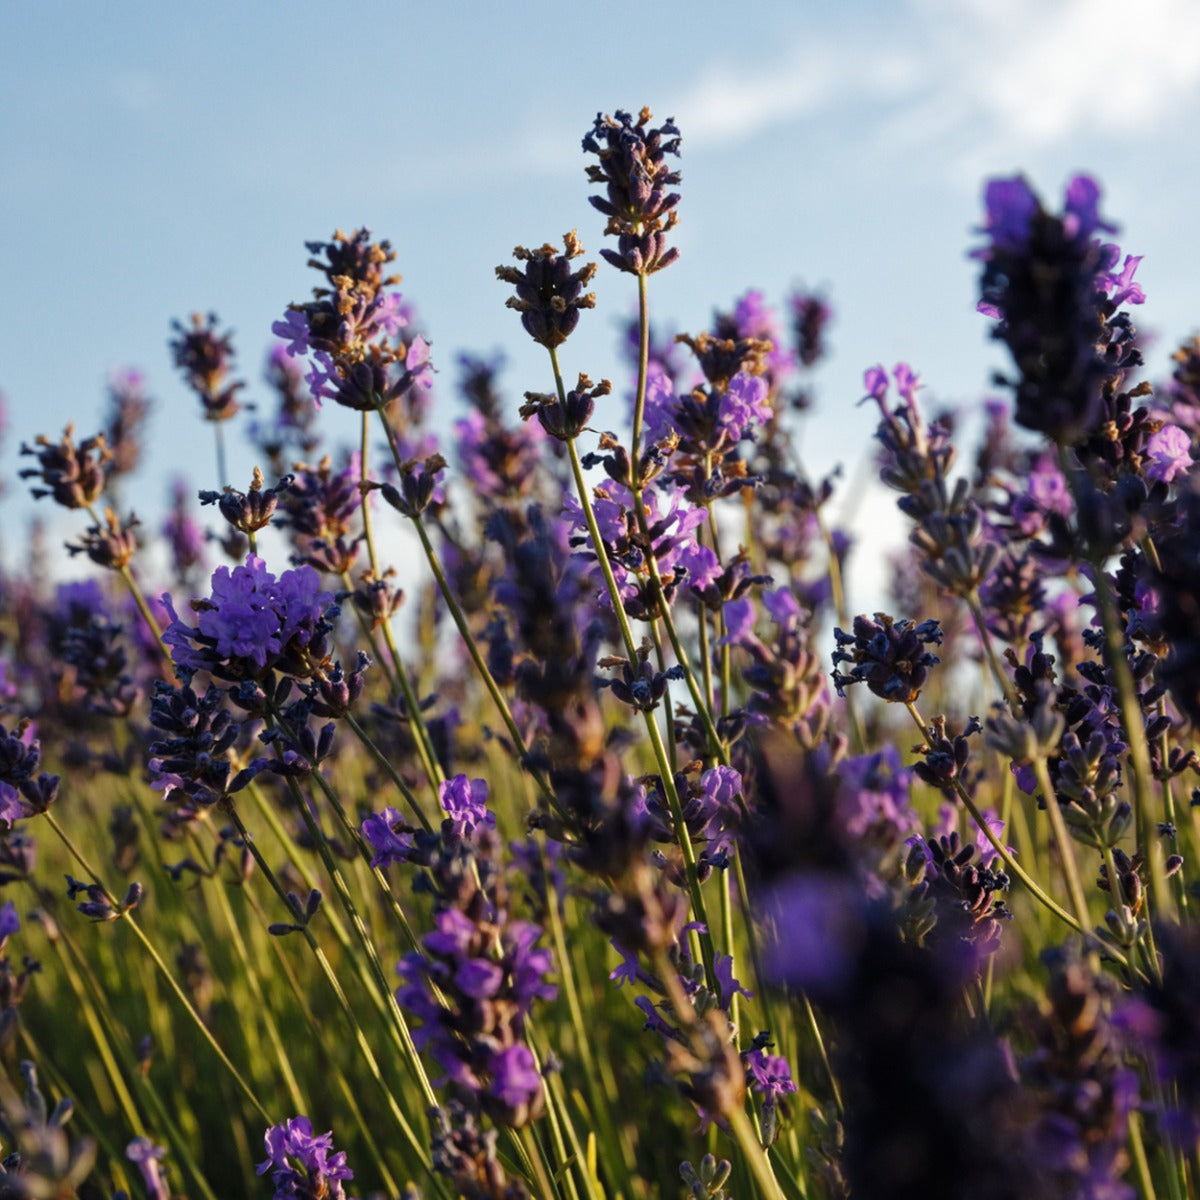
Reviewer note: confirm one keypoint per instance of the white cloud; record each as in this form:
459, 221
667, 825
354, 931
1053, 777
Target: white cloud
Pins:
1007, 77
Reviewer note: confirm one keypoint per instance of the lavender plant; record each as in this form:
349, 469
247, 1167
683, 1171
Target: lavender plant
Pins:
573, 862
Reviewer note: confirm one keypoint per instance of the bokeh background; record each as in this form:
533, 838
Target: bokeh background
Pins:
158, 159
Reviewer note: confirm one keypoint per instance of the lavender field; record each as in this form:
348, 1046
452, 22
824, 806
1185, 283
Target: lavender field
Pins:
496, 792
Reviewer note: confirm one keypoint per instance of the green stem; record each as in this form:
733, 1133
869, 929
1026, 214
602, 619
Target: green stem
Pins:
1010, 863
1062, 840
331, 978
222, 468
170, 979
391, 772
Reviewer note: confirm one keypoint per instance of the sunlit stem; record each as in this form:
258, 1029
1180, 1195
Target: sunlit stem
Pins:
1011, 865
1062, 840
156, 958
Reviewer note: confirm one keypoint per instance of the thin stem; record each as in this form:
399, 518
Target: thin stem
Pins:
390, 771
989, 649
1062, 840
222, 468
359, 1034
171, 981
360, 932
1010, 863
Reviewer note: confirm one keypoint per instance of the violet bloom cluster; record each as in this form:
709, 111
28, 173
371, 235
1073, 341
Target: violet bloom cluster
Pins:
479, 972
304, 1165
206, 359
320, 512
24, 791
1054, 287
678, 554
350, 328
252, 624
637, 200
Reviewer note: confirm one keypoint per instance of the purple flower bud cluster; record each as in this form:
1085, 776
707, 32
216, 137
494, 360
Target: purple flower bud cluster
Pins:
248, 512
887, 656
304, 1165
500, 461
479, 973
253, 624
678, 554
74, 475
633, 171
24, 791
549, 295
1054, 288
206, 359
128, 409
350, 328
320, 511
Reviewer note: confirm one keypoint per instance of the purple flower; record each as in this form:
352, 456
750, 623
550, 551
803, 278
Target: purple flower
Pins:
744, 405
821, 925
10, 923
380, 832
874, 801
294, 330
1010, 208
146, 1156
206, 359
633, 171
250, 622
516, 1081
770, 1075
1169, 452
479, 978
627, 972
465, 800
727, 985
1049, 282
321, 1171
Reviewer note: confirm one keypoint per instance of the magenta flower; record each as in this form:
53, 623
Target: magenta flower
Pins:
1169, 452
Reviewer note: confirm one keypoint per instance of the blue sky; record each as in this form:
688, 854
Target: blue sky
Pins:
158, 159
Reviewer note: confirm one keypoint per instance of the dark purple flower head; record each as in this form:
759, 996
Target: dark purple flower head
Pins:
753, 319
22, 792
184, 536
471, 991
249, 511
304, 1166
637, 201
811, 314
73, 475
1054, 289
549, 295
887, 655
467, 1156
770, 1075
253, 623
420, 485
320, 511
206, 359
350, 328
566, 421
